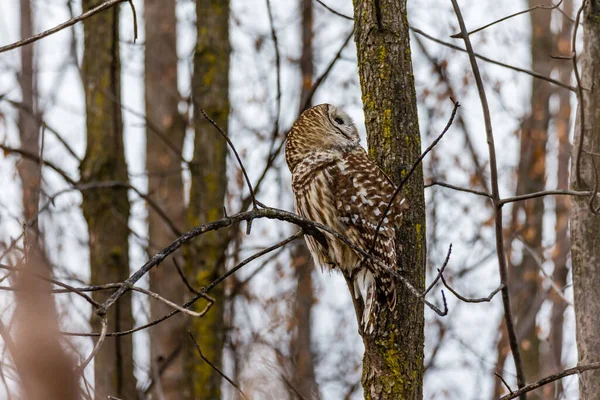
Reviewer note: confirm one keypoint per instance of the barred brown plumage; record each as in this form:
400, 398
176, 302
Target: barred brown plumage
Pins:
336, 183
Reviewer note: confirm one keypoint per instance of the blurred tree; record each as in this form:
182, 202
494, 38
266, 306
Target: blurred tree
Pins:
393, 360
524, 278
585, 224
210, 92
165, 131
560, 254
301, 348
106, 210
44, 368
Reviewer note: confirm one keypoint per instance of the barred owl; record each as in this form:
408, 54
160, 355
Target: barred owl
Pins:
336, 183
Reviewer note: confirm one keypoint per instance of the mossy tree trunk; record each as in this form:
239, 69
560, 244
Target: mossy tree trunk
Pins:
165, 185
393, 360
585, 226
106, 210
210, 90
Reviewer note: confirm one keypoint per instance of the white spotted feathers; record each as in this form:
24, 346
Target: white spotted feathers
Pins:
336, 183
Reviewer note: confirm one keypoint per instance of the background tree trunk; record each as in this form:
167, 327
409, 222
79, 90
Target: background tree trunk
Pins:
560, 254
524, 279
393, 360
301, 348
165, 185
585, 226
210, 91
106, 210
45, 369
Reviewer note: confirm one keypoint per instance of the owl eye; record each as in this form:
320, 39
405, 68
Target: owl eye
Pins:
339, 121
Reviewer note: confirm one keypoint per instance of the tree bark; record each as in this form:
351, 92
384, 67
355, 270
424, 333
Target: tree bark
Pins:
165, 186
585, 226
210, 90
106, 210
393, 360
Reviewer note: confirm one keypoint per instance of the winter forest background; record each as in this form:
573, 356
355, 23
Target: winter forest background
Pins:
279, 328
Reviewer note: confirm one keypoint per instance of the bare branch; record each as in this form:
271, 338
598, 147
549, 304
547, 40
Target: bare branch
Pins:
339, 14
549, 379
72, 21
215, 367
97, 346
502, 264
410, 172
486, 59
542, 6
580, 97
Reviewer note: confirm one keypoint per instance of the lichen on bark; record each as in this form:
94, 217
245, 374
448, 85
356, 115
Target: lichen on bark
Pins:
393, 360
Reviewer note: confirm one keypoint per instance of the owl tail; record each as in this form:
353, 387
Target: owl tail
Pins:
364, 285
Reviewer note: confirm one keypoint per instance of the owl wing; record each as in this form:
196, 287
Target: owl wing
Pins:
362, 194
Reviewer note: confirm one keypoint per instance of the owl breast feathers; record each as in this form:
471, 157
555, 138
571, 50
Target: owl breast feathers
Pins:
337, 184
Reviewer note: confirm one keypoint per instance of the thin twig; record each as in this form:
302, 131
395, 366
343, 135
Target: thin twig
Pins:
277, 69
557, 192
233, 270
580, 98
504, 382
502, 265
542, 6
544, 381
237, 156
440, 271
474, 300
339, 14
97, 346
410, 172
489, 60
175, 306
458, 188
72, 21
215, 367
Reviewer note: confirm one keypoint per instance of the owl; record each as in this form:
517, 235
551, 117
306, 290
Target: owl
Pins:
337, 184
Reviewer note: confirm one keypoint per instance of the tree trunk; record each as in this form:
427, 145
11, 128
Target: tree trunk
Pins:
210, 90
106, 210
303, 368
585, 226
165, 185
524, 279
45, 369
560, 254
393, 360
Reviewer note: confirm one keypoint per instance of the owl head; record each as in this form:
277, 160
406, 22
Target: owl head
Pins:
320, 128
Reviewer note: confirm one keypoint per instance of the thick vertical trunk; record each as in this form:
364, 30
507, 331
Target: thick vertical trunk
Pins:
106, 210
210, 90
165, 185
393, 361
585, 226
303, 368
